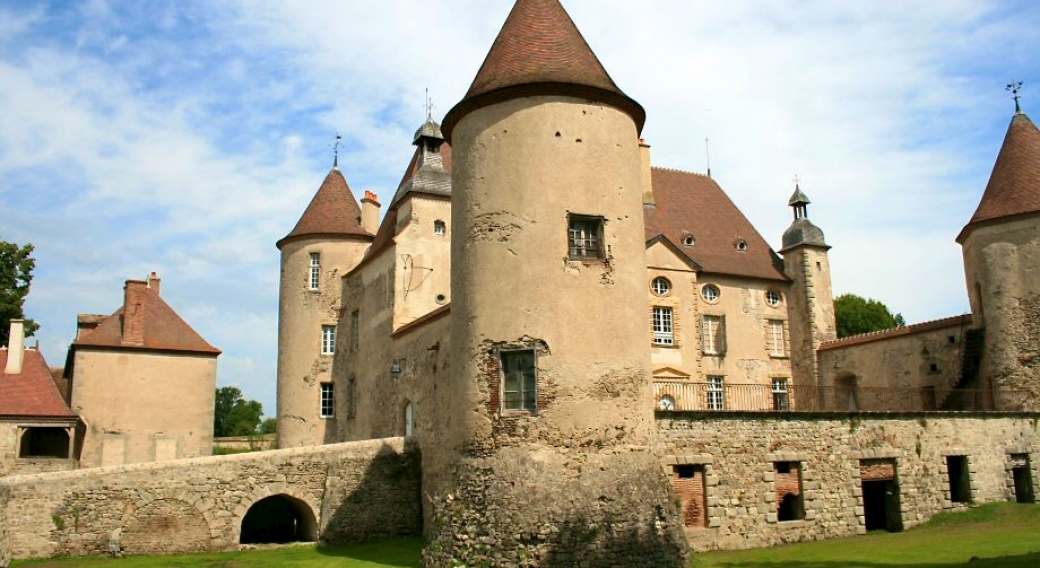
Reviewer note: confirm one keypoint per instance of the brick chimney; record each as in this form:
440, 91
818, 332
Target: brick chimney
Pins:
646, 182
370, 212
16, 347
154, 283
133, 312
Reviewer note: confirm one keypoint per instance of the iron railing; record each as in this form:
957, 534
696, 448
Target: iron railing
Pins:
682, 395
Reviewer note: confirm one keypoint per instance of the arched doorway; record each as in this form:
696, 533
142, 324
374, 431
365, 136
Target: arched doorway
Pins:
279, 519
409, 418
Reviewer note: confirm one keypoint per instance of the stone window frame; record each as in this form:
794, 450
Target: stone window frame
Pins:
717, 339
715, 510
23, 428
315, 271
711, 297
771, 338
810, 489
944, 472
586, 237
857, 483
774, 293
1009, 476
662, 322
503, 411
661, 286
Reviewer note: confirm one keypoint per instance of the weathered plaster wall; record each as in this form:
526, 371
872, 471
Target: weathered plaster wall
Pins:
140, 406
738, 453
810, 304
423, 276
356, 491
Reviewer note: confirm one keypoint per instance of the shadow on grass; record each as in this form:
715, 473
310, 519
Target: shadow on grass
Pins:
404, 552
1031, 560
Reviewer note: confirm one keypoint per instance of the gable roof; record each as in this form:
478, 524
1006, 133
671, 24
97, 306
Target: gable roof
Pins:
1014, 185
32, 393
332, 212
693, 204
540, 51
163, 330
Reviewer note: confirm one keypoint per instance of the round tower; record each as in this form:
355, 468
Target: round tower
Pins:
550, 426
810, 306
1001, 247
327, 242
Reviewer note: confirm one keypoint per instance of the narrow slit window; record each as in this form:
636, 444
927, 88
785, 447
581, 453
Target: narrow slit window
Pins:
315, 270
664, 326
355, 330
519, 381
328, 400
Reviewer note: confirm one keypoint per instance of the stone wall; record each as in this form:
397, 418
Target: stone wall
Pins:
739, 453
11, 464
355, 491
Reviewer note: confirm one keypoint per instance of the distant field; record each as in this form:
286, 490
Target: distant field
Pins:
1000, 535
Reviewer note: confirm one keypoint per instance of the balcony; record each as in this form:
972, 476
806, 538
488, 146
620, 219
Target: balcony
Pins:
705, 397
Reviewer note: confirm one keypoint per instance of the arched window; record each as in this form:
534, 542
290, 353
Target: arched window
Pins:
440, 228
409, 419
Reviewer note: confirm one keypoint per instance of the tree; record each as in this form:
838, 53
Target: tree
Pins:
856, 315
16, 266
269, 426
234, 415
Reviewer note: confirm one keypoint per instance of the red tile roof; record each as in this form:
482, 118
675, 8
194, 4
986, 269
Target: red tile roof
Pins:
163, 330
541, 52
1014, 185
693, 204
32, 393
332, 212
955, 321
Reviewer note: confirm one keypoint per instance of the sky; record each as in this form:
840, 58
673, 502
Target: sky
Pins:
187, 137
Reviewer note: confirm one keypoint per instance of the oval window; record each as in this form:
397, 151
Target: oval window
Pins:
710, 293
666, 403
773, 298
661, 286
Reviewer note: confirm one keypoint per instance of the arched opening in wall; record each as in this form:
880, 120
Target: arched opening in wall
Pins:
40, 442
846, 393
279, 519
408, 418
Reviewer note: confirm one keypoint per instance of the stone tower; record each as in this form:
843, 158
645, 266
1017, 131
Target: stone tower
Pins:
810, 302
548, 457
328, 241
1001, 246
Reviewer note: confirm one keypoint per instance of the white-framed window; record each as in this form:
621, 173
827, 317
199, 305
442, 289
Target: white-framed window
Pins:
775, 338
328, 400
689, 241
315, 279
661, 286
716, 393
355, 331
774, 298
585, 237
519, 381
713, 335
664, 328
440, 228
711, 293
328, 339
781, 395
740, 245
666, 402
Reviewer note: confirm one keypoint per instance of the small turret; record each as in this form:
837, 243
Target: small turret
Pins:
801, 231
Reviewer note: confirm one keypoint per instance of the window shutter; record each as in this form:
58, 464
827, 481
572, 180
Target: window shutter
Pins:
704, 334
721, 348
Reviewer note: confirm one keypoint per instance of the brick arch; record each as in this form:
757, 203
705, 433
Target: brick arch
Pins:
263, 492
165, 526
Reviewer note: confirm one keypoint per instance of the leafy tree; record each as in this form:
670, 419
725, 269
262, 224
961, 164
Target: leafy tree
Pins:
269, 426
856, 315
234, 415
16, 266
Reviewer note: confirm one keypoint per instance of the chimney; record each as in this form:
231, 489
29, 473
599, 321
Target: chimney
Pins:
647, 183
133, 312
16, 347
370, 212
154, 283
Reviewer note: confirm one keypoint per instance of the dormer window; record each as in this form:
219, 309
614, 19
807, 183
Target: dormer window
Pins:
585, 237
741, 245
688, 241
439, 228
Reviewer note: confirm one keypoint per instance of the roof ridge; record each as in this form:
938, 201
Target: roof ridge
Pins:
895, 331
681, 171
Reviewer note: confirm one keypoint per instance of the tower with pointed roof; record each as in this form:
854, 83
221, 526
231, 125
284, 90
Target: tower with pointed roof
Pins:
548, 424
810, 305
327, 242
1001, 247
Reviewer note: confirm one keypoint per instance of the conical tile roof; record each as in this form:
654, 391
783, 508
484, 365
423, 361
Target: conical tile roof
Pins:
541, 52
332, 212
1014, 185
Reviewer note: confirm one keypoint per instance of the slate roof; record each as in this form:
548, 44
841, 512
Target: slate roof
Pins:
427, 172
540, 51
1014, 185
693, 204
333, 212
164, 330
32, 393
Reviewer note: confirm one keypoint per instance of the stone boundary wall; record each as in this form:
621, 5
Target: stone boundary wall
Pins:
356, 491
738, 452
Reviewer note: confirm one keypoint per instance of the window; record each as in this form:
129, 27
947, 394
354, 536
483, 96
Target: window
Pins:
328, 339
790, 504
315, 270
716, 393
713, 335
328, 400
663, 328
661, 286
775, 338
741, 245
773, 298
781, 400
710, 293
355, 330
519, 380
959, 477
666, 403
688, 241
439, 228
44, 442
585, 237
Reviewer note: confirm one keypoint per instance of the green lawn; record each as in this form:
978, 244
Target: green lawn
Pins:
1001, 535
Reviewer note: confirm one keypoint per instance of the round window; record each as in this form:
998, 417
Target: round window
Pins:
661, 286
710, 293
666, 402
741, 245
688, 240
773, 298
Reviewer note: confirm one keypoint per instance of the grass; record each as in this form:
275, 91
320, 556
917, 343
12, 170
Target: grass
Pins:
1000, 535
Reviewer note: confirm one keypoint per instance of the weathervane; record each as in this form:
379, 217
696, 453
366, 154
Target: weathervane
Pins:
797, 181
429, 105
335, 151
1015, 87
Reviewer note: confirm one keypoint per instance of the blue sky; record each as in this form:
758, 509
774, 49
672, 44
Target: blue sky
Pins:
187, 137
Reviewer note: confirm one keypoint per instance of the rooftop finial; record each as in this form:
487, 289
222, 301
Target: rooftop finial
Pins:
335, 151
1015, 87
797, 181
707, 155
429, 105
